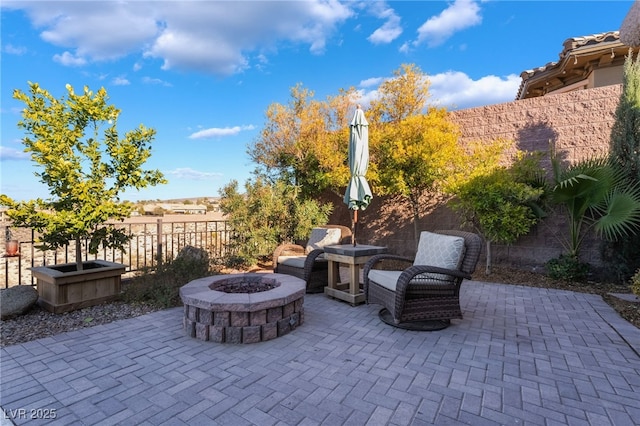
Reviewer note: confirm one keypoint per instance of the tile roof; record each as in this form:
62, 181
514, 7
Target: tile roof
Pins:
605, 49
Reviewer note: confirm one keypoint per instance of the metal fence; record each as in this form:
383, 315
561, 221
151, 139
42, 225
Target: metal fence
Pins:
151, 242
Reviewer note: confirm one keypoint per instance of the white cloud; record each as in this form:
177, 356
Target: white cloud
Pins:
456, 90
155, 81
191, 174
373, 81
208, 36
216, 132
458, 16
368, 90
97, 30
120, 81
7, 153
69, 60
213, 36
14, 50
390, 30
366, 97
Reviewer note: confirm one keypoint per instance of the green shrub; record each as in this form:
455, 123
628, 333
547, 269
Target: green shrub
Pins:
502, 204
238, 261
161, 287
264, 216
567, 268
635, 283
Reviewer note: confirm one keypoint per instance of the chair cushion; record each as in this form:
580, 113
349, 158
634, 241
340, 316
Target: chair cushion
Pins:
321, 237
443, 251
298, 261
292, 261
387, 279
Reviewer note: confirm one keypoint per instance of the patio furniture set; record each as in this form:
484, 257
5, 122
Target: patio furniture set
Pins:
421, 293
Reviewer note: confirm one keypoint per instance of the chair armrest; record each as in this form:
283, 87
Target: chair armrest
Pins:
410, 273
309, 262
312, 256
371, 263
287, 249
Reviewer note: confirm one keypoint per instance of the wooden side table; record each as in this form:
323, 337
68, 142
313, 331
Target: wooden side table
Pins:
355, 257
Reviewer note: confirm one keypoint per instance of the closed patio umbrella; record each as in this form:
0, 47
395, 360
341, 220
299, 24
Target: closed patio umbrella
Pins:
358, 194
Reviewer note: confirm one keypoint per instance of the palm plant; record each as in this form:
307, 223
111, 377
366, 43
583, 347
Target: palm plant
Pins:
597, 196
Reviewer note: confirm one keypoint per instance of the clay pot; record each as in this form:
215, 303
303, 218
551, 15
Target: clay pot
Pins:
12, 248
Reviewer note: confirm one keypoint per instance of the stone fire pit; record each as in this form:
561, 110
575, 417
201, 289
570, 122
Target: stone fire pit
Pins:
242, 308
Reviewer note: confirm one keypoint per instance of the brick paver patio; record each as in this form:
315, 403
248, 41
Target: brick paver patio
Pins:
520, 356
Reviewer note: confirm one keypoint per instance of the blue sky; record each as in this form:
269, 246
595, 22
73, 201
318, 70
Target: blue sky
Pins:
202, 73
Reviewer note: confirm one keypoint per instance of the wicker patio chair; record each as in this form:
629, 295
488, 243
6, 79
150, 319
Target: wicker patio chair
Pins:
424, 294
307, 261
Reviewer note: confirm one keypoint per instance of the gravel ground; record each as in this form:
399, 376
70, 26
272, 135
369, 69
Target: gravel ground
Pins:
39, 323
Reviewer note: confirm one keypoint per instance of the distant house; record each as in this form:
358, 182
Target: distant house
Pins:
172, 208
188, 208
585, 62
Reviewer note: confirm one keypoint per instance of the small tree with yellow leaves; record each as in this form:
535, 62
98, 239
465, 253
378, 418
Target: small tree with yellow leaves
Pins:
416, 156
414, 148
502, 203
305, 142
85, 166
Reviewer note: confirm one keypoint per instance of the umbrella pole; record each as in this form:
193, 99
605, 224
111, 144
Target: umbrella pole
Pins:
355, 227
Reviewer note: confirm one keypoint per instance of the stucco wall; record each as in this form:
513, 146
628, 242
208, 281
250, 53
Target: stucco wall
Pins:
578, 123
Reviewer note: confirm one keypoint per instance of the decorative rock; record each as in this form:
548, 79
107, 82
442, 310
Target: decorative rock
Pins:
17, 300
194, 253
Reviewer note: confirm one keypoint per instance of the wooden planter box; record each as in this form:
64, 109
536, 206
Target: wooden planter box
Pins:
62, 289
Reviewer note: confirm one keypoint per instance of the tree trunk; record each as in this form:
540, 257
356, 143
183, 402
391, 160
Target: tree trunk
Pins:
78, 255
416, 217
487, 270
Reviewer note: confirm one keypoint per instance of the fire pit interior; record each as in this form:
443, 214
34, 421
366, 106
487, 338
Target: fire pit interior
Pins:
253, 285
242, 308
